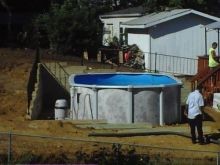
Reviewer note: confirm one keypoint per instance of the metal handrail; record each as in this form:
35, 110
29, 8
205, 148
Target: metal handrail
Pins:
65, 74
57, 73
166, 63
208, 76
207, 79
175, 56
162, 62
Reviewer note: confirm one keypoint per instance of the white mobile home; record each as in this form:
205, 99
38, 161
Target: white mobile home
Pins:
177, 36
112, 20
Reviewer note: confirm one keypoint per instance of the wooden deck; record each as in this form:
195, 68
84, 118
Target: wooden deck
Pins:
208, 79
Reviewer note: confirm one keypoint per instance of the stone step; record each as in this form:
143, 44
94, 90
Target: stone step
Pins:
75, 69
54, 63
100, 71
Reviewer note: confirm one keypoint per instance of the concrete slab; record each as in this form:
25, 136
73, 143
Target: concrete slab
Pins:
101, 126
206, 129
138, 131
81, 123
146, 133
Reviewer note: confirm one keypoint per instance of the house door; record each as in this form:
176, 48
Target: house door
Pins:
143, 42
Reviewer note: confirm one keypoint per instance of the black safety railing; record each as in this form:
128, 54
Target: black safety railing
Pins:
153, 61
171, 64
59, 73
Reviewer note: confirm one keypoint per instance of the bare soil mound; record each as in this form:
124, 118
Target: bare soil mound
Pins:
15, 66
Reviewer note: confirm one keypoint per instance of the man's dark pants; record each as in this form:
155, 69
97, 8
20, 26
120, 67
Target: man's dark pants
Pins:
196, 124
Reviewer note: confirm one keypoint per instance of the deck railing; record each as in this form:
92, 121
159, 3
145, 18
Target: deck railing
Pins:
171, 64
209, 80
157, 62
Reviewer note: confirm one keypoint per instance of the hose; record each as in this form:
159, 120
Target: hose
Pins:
215, 141
214, 138
208, 138
139, 134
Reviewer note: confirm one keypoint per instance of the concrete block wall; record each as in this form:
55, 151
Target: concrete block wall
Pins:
51, 91
36, 102
47, 91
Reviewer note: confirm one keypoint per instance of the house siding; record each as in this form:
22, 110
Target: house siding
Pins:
182, 37
115, 31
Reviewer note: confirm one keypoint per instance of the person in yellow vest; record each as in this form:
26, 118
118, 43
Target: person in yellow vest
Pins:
213, 61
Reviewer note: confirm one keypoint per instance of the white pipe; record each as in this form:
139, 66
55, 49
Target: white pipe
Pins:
96, 102
161, 108
130, 104
72, 89
179, 104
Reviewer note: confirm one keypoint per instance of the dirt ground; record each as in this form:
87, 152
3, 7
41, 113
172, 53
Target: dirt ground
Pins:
14, 71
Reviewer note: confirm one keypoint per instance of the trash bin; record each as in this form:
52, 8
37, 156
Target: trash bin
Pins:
60, 109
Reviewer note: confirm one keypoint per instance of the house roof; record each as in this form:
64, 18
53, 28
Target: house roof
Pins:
129, 12
214, 25
157, 18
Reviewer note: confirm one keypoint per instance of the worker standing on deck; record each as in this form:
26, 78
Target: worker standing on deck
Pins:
193, 111
213, 61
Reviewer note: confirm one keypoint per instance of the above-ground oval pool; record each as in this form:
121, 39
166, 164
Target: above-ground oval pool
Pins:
126, 97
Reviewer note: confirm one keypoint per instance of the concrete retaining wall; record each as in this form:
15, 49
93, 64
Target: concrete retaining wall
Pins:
47, 91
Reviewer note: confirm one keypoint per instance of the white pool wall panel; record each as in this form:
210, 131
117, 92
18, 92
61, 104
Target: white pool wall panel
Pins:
84, 104
171, 101
157, 105
113, 105
146, 105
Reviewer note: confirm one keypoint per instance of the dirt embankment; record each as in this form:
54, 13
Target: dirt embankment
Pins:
14, 72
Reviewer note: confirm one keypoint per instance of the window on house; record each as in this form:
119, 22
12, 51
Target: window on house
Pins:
108, 30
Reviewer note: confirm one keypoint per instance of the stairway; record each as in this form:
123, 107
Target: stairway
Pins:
62, 70
209, 80
57, 73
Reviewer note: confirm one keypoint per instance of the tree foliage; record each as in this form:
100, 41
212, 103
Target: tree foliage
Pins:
27, 5
208, 6
70, 26
74, 24
6, 7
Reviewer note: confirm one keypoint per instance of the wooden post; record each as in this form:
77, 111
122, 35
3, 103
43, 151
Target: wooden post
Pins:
120, 57
85, 55
99, 56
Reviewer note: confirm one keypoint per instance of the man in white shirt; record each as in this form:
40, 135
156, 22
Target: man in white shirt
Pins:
194, 107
